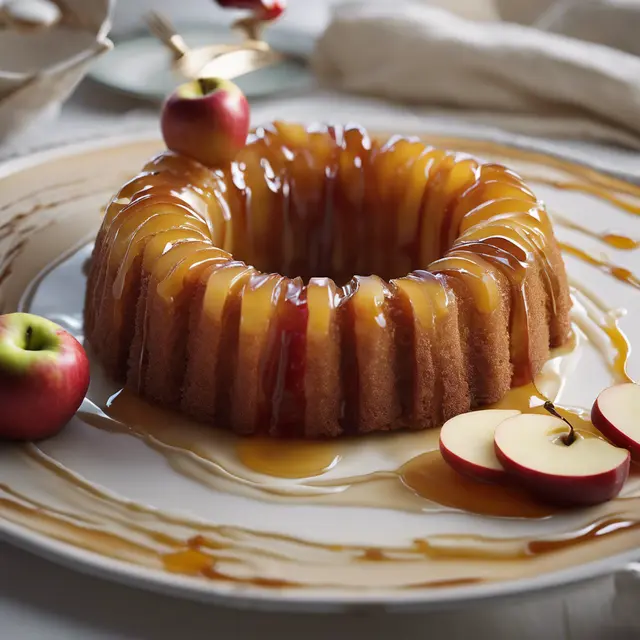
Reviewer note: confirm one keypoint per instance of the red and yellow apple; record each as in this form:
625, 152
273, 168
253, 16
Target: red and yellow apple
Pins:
558, 464
44, 376
616, 414
206, 119
466, 443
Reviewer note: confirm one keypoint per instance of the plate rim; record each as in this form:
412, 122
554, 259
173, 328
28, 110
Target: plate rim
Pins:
202, 590
155, 580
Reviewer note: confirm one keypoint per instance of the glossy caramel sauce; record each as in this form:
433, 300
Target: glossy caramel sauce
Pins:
289, 459
611, 238
593, 317
189, 562
98, 521
425, 473
430, 477
618, 241
596, 190
284, 459
122, 529
427, 476
313, 204
622, 350
619, 273
590, 533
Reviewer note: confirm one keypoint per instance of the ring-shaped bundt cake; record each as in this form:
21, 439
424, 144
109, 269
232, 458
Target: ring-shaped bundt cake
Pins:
229, 294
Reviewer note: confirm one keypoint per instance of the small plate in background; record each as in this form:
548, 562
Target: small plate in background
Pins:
141, 66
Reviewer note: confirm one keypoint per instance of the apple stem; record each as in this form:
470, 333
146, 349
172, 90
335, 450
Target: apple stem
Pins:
570, 438
28, 336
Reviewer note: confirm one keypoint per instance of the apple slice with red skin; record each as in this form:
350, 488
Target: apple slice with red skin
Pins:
207, 120
616, 414
532, 449
44, 376
466, 443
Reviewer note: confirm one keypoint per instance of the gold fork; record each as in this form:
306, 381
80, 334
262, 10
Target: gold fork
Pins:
219, 60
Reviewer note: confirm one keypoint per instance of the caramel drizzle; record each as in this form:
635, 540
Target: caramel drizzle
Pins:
37, 207
194, 465
209, 551
608, 322
401, 315
227, 357
437, 282
514, 269
613, 239
307, 459
283, 373
455, 182
487, 176
349, 371
594, 177
607, 527
18, 228
590, 533
619, 273
602, 528
594, 190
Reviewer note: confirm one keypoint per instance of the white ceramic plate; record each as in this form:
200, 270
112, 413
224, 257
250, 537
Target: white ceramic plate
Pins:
123, 503
141, 67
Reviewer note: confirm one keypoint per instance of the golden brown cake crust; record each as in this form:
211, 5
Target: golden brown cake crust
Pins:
193, 300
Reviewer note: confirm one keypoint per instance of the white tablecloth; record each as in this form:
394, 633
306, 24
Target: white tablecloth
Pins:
40, 600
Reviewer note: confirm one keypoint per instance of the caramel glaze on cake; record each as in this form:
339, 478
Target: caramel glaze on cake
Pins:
185, 301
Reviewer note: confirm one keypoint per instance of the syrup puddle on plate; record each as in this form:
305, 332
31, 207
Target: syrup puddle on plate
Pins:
415, 478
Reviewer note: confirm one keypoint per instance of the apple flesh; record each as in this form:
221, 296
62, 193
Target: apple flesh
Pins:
207, 119
466, 443
44, 376
531, 447
616, 414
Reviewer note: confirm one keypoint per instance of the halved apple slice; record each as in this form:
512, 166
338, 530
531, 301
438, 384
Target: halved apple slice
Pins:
616, 413
466, 443
533, 449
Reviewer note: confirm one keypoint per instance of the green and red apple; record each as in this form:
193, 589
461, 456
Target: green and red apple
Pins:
44, 376
206, 119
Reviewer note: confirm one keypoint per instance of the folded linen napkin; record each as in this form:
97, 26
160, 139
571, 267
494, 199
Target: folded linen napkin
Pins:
615, 23
500, 73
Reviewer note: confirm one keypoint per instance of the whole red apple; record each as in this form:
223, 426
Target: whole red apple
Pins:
207, 119
264, 9
44, 376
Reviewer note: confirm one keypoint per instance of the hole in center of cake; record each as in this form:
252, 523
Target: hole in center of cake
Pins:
325, 237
